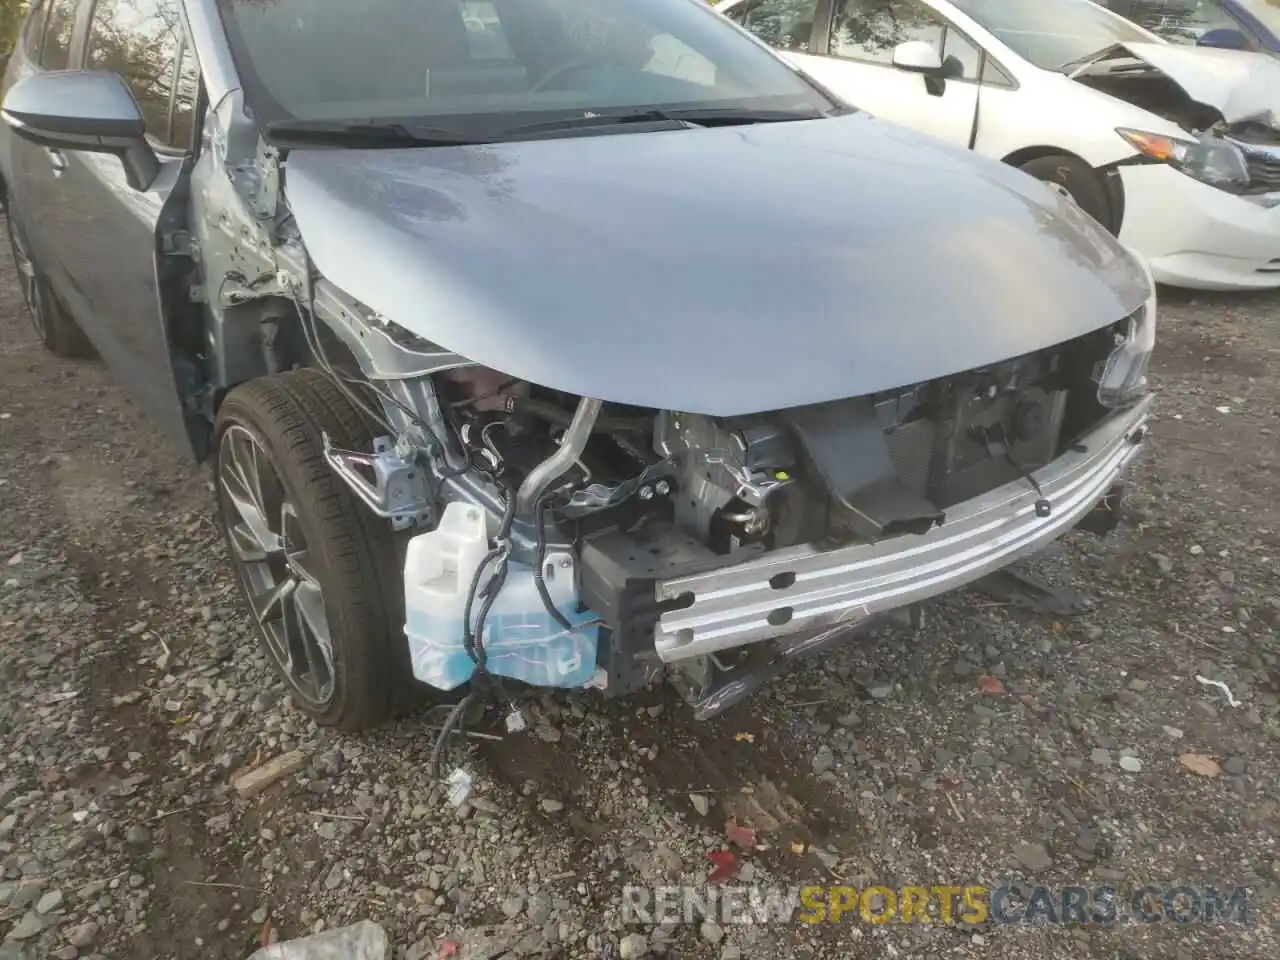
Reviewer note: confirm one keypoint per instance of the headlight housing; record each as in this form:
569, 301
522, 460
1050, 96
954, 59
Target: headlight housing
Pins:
1210, 160
1124, 373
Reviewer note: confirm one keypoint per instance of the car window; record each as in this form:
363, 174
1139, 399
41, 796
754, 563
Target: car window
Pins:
139, 39
483, 67
1267, 12
994, 75
1182, 21
33, 30
486, 38
786, 24
870, 29
55, 49
1051, 34
961, 57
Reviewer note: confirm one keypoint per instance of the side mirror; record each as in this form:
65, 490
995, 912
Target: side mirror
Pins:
917, 56
90, 110
1224, 38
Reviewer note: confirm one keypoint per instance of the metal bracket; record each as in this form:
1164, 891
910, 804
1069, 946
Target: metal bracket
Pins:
179, 243
398, 490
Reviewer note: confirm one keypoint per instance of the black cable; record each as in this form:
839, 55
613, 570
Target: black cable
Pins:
306, 320
540, 516
472, 401
491, 591
473, 642
446, 731
469, 639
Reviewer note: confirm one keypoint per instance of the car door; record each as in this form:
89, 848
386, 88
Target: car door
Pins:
34, 172
856, 63
103, 247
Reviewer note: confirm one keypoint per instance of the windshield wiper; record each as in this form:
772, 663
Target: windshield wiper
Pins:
367, 134
733, 116
1080, 63
587, 120
677, 117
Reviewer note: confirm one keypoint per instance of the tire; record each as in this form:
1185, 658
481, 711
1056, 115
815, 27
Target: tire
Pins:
326, 540
53, 325
1079, 180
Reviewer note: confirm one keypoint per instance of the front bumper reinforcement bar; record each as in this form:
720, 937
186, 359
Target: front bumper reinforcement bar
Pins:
802, 588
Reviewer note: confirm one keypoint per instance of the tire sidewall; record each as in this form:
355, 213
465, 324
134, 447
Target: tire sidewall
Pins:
38, 300
1077, 179
247, 417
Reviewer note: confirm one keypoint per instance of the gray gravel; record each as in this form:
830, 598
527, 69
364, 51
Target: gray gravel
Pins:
135, 691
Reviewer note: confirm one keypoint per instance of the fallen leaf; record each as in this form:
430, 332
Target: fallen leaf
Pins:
1027, 699
745, 737
743, 837
1201, 764
447, 949
989, 684
798, 847
1059, 627
701, 803
726, 866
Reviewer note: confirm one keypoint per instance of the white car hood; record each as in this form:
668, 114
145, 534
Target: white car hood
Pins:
1239, 84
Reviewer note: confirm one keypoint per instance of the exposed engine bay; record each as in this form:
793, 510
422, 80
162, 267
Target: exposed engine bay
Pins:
1237, 134
856, 470
588, 506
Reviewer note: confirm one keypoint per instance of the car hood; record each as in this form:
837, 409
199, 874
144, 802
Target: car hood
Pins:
720, 271
1239, 84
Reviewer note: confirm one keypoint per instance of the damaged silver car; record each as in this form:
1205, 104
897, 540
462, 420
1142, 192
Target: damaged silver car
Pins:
575, 343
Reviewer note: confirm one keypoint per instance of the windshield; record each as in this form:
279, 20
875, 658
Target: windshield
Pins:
482, 66
1185, 21
1051, 33
1265, 11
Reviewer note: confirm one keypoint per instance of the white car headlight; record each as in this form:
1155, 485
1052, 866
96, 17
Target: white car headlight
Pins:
1124, 375
1210, 160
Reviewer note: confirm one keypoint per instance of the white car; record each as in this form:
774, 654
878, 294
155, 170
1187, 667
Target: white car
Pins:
1175, 149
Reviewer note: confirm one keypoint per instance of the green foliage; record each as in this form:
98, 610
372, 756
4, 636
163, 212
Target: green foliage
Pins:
11, 14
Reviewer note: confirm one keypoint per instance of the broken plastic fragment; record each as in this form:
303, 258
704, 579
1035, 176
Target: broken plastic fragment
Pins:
360, 941
460, 784
1221, 686
516, 722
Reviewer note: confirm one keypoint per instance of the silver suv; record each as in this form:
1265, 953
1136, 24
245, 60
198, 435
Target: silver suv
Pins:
571, 342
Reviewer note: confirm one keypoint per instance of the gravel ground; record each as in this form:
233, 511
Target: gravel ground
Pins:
990, 744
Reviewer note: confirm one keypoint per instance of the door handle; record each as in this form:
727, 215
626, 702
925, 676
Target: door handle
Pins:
57, 160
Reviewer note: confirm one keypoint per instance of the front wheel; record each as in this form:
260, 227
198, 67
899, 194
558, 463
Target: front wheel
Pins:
319, 571
1078, 180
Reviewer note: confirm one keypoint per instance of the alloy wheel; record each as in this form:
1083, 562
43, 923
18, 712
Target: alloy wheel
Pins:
270, 550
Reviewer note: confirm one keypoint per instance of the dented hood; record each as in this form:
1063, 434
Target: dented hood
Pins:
1239, 84
721, 271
